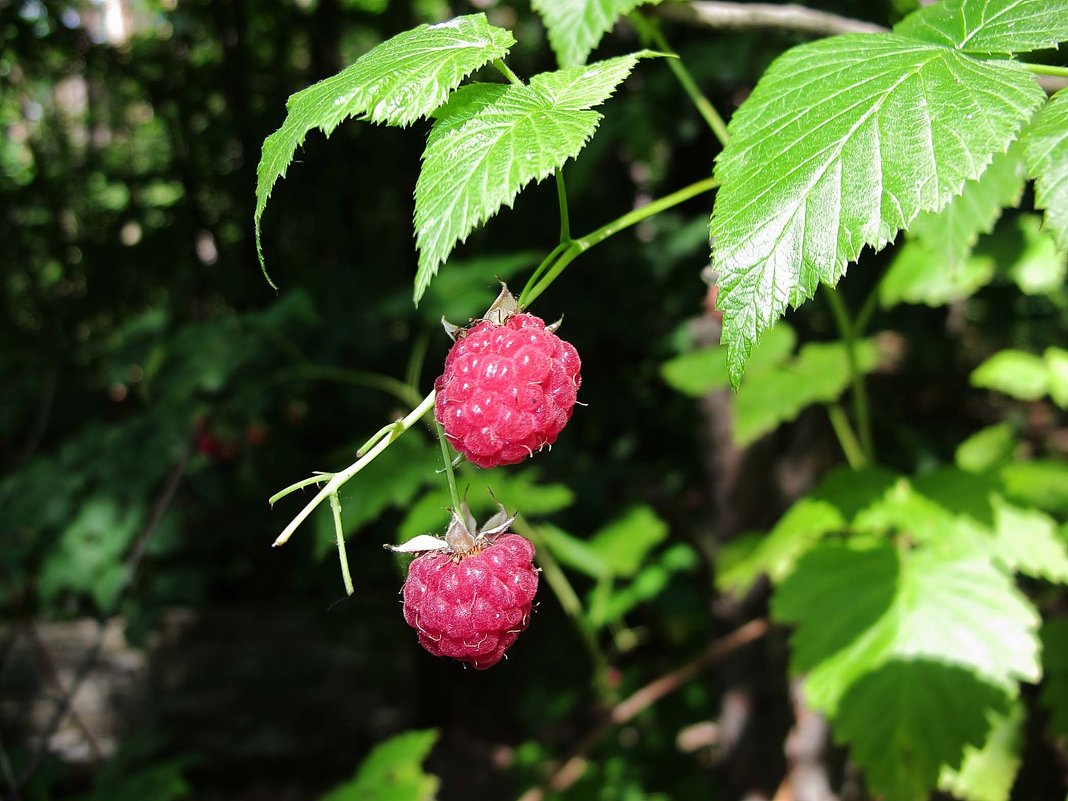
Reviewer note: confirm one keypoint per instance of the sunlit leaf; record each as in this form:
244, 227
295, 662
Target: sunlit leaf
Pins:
990, 26
1014, 372
1046, 153
491, 146
576, 26
989, 772
842, 143
393, 771
398, 82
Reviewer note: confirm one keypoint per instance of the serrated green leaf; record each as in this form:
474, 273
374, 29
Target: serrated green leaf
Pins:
819, 374
950, 234
987, 449
1035, 262
988, 773
990, 26
463, 105
907, 720
393, 771
1045, 145
828, 508
473, 167
1026, 541
917, 275
1055, 665
396, 83
942, 604
575, 27
1041, 484
841, 144
1014, 372
625, 542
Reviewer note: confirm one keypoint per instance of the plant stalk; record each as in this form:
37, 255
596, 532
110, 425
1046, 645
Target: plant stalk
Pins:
343, 557
861, 409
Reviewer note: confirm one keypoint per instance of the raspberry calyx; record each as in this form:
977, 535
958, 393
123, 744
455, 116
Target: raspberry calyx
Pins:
469, 596
508, 387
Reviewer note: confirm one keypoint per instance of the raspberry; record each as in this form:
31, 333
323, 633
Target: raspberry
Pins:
508, 389
472, 607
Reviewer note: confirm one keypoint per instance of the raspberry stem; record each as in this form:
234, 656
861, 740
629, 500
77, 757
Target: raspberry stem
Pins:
335, 506
338, 480
446, 455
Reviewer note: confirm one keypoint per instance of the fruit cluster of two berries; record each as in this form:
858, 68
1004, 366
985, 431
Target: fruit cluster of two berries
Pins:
508, 389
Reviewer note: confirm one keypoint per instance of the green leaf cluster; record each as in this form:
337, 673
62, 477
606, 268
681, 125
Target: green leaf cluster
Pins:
845, 142
778, 385
919, 672
1025, 376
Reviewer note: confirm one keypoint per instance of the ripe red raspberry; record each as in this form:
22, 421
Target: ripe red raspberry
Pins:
508, 389
472, 607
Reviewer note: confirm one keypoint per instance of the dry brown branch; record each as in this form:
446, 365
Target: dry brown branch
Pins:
741, 16
566, 773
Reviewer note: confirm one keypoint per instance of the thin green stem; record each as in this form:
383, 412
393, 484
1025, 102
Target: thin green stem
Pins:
299, 485
569, 602
561, 195
861, 409
506, 71
335, 506
650, 30
847, 438
1044, 69
582, 244
539, 271
446, 455
338, 480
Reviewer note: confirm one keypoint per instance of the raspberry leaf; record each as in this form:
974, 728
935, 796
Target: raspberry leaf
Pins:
940, 603
485, 149
950, 234
1017, 373
911, 720
1046, 153
843, 143
393, 771
398, 82
990, 26
988, 773
576, 26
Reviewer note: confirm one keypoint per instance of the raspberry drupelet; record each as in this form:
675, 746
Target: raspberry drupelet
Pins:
507, 390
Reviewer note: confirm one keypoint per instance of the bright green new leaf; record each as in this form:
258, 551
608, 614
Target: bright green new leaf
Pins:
625, 543
990, 26
1026, 541
1014, 372
576, 26
988, 772
398, 82
393, 771
911, 718
819, 374
950, 234
842, 143
473, 167
700, 371
918, 275
1055, 665
1042, 484
939, 603
1046, 153
1032, 257
574, 552
987, 449
1057, 369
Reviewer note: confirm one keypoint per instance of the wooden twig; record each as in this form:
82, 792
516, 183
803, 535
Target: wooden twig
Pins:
740, 16
566, 773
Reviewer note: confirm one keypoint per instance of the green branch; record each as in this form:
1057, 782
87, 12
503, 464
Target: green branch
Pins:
861, 410
582, 244
1045, 69
561, 195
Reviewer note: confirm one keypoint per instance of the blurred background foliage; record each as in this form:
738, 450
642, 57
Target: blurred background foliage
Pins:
156, 392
